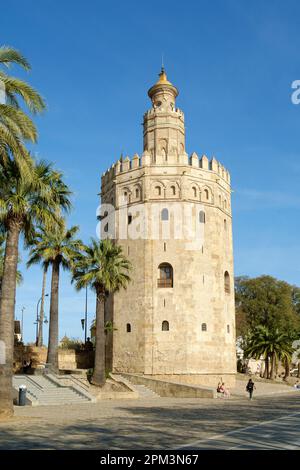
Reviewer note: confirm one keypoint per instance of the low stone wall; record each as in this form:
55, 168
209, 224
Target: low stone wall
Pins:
208, 380
171, 389
68, 359
38, 355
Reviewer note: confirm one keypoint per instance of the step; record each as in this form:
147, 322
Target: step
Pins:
143, 390
47, 392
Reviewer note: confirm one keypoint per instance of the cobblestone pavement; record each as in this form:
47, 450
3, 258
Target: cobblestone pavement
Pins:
261, 387
164, 423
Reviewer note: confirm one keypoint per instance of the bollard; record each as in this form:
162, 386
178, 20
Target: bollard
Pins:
22, 395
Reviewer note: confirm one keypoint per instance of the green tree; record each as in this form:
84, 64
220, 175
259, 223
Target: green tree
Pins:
16, 127
57, 248
24, 203
104, 268
266, 301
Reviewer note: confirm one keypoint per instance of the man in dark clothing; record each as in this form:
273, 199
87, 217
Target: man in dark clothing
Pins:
250, 387
89, 345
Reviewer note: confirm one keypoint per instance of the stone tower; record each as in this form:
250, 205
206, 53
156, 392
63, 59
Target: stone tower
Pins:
171, 213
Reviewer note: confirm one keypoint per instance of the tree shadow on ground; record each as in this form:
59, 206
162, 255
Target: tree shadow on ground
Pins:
160, 427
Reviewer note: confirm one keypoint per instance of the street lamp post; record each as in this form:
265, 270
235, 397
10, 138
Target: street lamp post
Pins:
22, 324
38, 320
84, 320
85, 331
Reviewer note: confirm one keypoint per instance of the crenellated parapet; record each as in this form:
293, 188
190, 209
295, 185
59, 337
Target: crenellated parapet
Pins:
154, 111
126, 164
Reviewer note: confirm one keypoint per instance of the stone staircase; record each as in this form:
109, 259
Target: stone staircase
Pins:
143, 391
46, 390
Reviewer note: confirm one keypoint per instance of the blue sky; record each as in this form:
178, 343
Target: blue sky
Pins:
233, 61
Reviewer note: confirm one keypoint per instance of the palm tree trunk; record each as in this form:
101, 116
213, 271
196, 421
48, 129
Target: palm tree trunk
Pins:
299, 369
262, 370
286, 368
52, 356
266, 372
7, 316
273, 360
99, 367
40, 332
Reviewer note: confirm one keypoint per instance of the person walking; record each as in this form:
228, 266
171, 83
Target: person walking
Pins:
250, 387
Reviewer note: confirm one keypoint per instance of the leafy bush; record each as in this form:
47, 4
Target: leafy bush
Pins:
70, 343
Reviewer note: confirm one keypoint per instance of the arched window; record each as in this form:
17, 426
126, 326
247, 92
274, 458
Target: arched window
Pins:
173, 190
206, 194
129, 219
204, 327
225, 204
202, 217
165, 275
137, 193
225, 224
105, 228
158, 190
165, 214
165, 326
220, 201
128, 328
227, 282
126, 196
194, 191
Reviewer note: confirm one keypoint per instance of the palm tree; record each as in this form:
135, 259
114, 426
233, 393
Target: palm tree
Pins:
104, 268
58, 248
272, 345
2, 251
23, 204
256, 347
15, 126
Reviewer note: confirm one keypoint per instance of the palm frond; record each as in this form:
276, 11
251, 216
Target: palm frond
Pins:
9, 55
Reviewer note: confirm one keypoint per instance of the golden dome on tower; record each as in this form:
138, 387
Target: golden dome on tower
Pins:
162, 84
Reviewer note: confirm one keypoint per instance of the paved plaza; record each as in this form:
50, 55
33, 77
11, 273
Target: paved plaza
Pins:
271, 422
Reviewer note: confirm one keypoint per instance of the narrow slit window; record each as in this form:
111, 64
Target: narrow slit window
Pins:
227, 282
165, 214
202, 217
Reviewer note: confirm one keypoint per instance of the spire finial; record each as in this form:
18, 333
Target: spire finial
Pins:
162, 62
